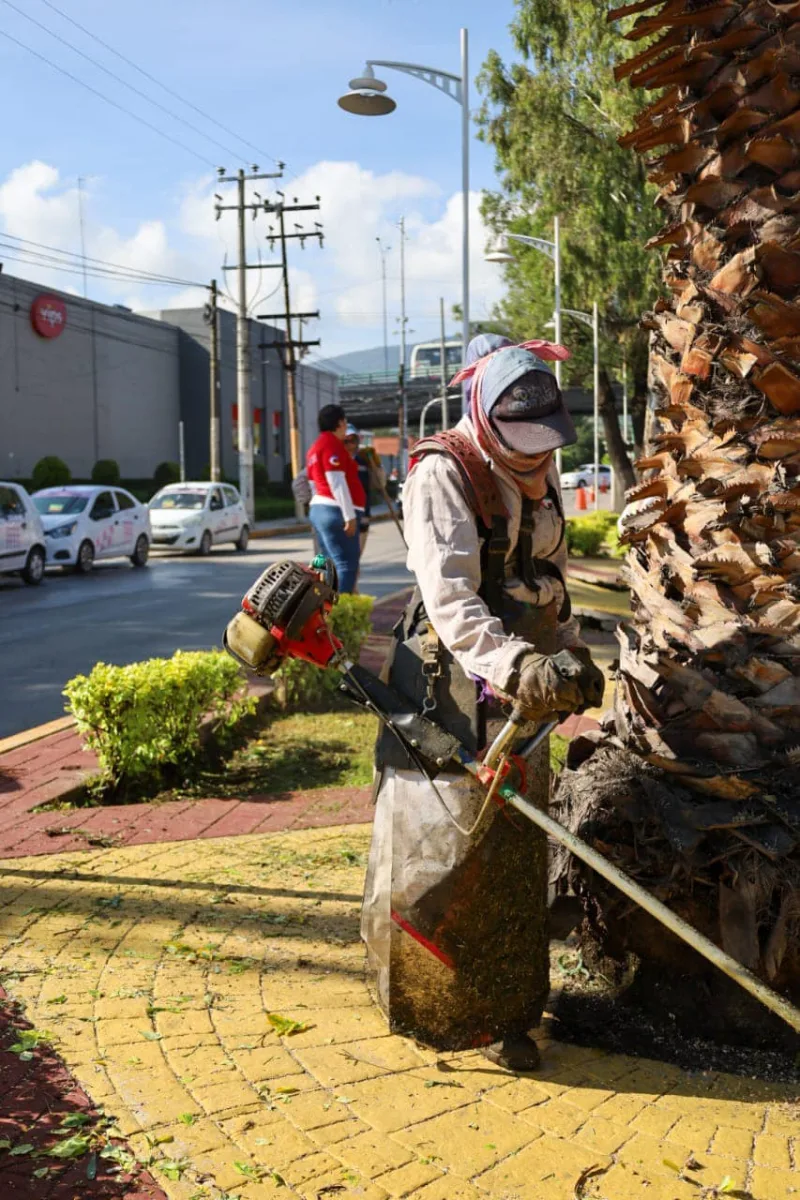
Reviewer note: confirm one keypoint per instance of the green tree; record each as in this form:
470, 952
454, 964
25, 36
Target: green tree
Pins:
553, 120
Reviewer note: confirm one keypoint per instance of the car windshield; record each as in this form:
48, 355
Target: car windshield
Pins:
60, 504
191, 500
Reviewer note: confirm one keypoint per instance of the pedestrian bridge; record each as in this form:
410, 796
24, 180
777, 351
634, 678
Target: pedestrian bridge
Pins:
371, 401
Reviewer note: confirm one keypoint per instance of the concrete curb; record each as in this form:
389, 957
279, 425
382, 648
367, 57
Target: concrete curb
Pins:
18, 740
302, 527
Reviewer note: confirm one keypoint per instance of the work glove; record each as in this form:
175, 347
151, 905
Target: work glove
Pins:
552, 686
592, 681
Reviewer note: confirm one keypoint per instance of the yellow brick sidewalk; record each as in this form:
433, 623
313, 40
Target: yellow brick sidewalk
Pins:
153, 968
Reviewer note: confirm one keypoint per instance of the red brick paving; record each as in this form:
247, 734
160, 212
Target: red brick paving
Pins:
37, 1096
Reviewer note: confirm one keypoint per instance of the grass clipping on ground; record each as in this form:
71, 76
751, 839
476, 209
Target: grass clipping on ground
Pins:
301, 752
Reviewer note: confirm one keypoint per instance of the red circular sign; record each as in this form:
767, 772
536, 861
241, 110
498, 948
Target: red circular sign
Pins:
48, 316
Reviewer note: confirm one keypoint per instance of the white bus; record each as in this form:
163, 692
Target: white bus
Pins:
426, 359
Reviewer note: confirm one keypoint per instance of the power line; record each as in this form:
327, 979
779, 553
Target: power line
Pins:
33, 259
137, 91
114, 103
103, 262
158, 82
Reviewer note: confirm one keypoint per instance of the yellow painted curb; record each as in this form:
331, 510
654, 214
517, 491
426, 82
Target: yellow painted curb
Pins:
17, 740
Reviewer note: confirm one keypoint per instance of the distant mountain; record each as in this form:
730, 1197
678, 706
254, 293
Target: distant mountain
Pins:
362, 362
368, 362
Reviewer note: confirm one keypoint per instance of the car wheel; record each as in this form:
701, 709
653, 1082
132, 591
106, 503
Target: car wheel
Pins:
243, 539
85, 559
33, 571
204, 549
142, 551
581, 483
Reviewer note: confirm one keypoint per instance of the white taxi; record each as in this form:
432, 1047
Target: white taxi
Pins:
85, 522
196, 516
22, 544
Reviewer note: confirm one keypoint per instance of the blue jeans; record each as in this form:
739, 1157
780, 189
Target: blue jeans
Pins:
328, 524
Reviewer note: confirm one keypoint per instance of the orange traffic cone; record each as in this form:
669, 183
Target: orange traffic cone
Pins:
591, 495
580, 499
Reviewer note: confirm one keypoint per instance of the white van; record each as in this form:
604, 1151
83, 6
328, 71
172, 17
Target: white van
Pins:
22, 546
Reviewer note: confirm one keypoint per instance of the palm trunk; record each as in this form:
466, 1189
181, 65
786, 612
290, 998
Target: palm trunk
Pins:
695, 786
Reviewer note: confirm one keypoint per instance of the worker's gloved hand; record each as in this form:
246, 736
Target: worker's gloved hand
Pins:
592, 681
548, 685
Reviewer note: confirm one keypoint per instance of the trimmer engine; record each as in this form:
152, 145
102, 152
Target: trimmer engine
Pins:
283, 616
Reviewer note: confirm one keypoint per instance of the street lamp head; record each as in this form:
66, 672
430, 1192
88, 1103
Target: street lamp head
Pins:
500, 252
367, 97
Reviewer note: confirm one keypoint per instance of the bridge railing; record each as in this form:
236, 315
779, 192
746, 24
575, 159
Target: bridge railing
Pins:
378, 378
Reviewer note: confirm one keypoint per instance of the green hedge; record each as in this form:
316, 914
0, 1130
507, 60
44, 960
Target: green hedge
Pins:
50, 471
594, 534
301, 685
147, 716
106, 472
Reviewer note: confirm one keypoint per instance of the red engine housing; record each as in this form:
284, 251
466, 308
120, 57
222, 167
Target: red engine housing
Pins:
292, 602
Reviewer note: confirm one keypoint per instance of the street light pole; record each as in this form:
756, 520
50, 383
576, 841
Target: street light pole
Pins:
593, 321
443, 358
553, 251
465, 329
403, 321
367, 98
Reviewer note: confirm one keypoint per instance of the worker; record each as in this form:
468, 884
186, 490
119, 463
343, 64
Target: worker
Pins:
371, 474
455, 905
338, 498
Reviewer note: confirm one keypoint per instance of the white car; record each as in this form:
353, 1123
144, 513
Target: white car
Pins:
22, 544
584, 477
197, 516
84, 522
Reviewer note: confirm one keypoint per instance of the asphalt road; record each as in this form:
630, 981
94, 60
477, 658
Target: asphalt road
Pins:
118, 614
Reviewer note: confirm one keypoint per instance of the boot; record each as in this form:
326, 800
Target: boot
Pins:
516, 1053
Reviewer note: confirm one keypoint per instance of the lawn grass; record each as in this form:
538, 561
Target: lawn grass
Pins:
301, 752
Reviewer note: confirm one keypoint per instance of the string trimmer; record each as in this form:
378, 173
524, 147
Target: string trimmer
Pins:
284, 616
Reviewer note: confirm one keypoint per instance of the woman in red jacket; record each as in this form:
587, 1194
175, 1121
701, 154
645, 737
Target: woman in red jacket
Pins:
339, 499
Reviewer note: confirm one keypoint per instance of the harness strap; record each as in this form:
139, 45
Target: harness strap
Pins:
485, 501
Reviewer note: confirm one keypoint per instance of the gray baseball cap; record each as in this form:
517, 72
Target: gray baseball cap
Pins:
520, 395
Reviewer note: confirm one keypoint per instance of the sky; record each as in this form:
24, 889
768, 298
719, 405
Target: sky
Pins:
270, 74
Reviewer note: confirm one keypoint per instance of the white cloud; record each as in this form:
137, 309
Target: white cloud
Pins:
343, 279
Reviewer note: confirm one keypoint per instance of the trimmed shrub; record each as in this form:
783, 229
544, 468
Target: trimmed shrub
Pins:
106, 471
147, 716
260, 479
587, 535
301, 685
50, 472
165, 474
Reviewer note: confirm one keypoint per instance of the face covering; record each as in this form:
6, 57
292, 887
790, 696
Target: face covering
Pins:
530, 473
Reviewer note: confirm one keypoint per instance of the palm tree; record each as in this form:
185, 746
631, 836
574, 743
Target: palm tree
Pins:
695, 785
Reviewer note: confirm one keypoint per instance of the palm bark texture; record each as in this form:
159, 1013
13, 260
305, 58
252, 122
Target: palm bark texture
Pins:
695, 785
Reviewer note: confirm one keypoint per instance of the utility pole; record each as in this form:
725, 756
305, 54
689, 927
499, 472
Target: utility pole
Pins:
288, 349
244, 408
212, 320
384, 250
443, 356
403, 406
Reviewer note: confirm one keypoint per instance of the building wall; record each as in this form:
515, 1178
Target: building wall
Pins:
107, 387
115, 384
267, 394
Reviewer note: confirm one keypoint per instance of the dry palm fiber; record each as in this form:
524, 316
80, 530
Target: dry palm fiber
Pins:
696, 789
